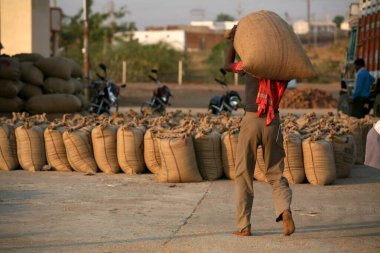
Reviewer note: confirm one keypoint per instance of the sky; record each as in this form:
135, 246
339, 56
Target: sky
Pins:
174, 12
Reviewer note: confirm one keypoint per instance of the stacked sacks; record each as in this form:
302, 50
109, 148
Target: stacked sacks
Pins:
229, 141
8, 151
10, 85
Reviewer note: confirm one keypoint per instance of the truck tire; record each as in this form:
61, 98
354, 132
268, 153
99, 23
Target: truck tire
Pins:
344, 104
376, 106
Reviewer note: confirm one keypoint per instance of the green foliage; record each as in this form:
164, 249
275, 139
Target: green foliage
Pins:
224, 17
338, 20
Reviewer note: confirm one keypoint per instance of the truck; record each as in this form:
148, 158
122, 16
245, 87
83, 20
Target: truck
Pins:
364, 42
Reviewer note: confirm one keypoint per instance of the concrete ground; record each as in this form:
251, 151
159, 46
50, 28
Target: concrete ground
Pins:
71, 212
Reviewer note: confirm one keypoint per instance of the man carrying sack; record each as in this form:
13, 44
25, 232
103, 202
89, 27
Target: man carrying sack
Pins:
261, 122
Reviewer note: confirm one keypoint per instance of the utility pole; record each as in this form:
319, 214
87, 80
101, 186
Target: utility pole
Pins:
86, 51
309, 24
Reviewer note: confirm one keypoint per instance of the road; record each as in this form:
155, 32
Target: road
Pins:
71, 212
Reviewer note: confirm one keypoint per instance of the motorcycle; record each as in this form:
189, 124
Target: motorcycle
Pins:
228, 102
160, 99
104, 94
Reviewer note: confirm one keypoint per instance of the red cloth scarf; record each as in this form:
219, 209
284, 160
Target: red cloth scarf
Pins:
268, 98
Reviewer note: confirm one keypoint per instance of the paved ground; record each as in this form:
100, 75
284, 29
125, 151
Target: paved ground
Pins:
70, 212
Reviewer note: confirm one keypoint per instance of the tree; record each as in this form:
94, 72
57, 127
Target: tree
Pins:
224, 17
338, 20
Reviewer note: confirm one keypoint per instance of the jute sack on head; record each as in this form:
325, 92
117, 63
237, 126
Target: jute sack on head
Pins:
270, 49
55, 148
178, 161
208, 152
151, 152
9, 68
259, 174
55, 67
56, 85
229, 146
344, 154
29, 91
53, 103
105, 148
9, 88
31, 74
130, 149
8, 150
294, 170
318, 158
79, 150
30, 146
11, 104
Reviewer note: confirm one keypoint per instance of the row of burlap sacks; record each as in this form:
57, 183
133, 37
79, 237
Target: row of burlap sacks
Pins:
37, 84
177, 147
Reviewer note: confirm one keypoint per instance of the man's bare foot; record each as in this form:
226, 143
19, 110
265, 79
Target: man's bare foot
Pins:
288, 222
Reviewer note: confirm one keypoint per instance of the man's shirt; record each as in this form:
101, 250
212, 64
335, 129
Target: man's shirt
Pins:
363, 84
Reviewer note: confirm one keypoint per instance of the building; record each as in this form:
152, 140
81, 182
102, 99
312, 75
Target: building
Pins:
25, 26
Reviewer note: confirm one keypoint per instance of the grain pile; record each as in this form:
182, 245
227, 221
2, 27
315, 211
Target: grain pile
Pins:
307, 99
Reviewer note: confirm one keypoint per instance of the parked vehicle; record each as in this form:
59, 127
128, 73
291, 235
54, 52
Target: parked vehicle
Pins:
228, 102
104, 93
363, 43
161, 96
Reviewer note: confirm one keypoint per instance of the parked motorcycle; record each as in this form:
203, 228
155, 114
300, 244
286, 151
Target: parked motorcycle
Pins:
160, 99
104, 94
228, 102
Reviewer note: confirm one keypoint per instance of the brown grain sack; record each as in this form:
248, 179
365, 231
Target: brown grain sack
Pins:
55, 67
9, 68
318, 158
8, 150
151, 152
208, 151
105, 148
31, 74
78, 85
260, 166
130, 149
30, 147
79, 150
84, 101
53, 103
344, 155
54, 85
270, 49
11, 104
55, 148
229, 147
294, 170
179, 163
77, 71
359, 132
29, 91
9, 88
28, 57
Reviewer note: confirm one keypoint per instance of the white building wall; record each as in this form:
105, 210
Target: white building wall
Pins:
175, 38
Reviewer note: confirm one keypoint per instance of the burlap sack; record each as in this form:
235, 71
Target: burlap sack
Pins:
229, 147
53, 103
130, 149
31, 74
151, 152
178, 159
9, 68
29, 91
294, 170
30, 147
78, 85
344, 155
260, 166
55, 67
105, 149
318, 158
11, 104
79, 150
359, 132
77, 71
55, 148
270, 49
208, 152
84, 101
54, 85
9, 88
28, 57
8, 150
